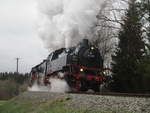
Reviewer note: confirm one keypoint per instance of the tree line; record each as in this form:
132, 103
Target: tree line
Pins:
16, 77
130, 54
12, 84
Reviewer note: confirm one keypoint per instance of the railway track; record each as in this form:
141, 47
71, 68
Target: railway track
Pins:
92, 101
113, 94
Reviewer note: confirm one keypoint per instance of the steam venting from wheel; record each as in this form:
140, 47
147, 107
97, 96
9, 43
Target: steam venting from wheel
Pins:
56, 85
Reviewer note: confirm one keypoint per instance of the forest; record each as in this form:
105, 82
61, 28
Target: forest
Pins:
123, 36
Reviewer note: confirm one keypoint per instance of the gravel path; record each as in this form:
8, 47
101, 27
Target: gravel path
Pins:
107, 104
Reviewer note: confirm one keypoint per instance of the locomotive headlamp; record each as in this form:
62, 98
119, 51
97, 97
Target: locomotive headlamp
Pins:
92, 48
81, 70
104, 73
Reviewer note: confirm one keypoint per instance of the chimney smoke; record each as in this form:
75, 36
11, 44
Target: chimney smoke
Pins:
63, 23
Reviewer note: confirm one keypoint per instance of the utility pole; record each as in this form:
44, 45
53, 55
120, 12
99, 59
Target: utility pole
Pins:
17, 59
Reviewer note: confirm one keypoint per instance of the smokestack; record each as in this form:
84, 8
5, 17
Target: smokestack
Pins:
85, 42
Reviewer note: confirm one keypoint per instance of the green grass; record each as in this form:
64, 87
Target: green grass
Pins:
28, 106
2, 102
58, 106
12, 107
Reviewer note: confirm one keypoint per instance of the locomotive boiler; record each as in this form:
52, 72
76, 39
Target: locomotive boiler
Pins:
80, 66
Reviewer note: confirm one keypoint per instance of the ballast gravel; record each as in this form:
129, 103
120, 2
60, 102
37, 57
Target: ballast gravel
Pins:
93, 103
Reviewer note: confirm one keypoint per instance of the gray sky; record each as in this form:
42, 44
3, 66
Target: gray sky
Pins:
19, 36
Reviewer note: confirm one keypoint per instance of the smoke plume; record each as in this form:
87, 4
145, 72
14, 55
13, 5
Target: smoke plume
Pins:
63, 23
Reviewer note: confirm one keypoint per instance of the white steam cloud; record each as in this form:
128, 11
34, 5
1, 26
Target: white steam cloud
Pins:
57, 85
63, 23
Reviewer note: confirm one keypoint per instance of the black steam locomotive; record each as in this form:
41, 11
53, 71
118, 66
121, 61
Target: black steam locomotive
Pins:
81, 66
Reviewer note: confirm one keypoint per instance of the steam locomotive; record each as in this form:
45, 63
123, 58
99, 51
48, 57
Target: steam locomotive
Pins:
80, 66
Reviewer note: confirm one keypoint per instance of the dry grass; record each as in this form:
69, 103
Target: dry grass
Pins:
9, 89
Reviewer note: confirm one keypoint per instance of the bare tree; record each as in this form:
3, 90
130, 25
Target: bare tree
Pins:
108, 24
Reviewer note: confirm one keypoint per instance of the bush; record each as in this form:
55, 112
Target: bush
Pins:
10, 88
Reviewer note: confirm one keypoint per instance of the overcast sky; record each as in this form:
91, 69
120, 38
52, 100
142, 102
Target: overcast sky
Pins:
19, 36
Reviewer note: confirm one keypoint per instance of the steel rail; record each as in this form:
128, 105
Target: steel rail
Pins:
113, 94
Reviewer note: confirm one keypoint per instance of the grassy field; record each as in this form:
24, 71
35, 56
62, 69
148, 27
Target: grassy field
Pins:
17, 105
58, 106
